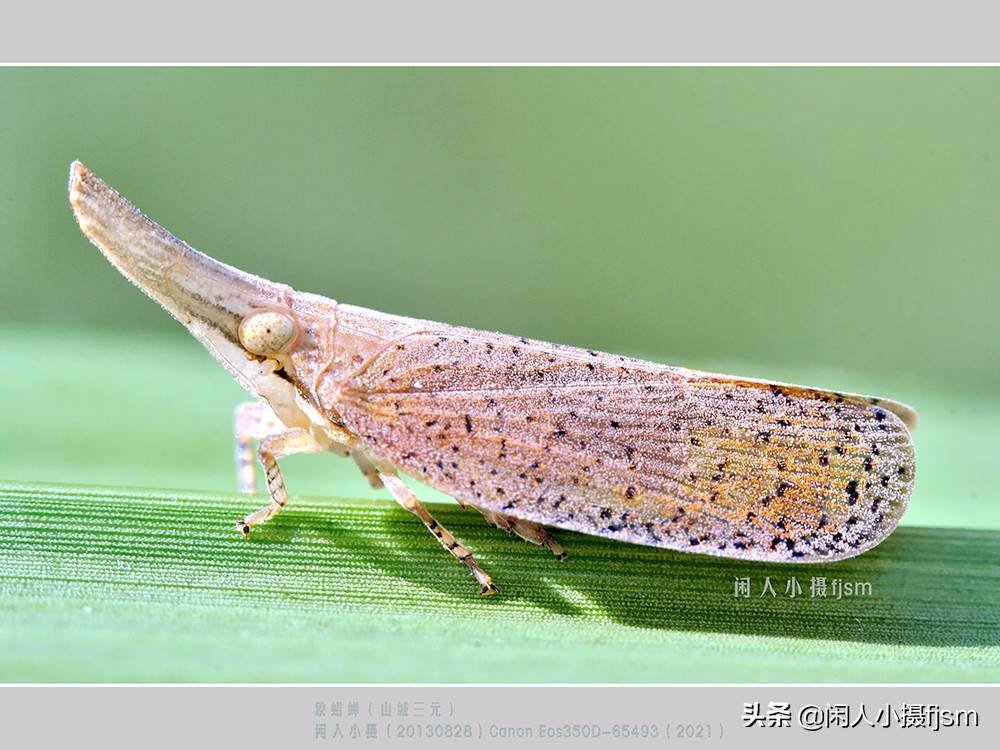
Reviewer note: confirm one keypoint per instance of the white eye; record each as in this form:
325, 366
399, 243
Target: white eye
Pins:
266, 332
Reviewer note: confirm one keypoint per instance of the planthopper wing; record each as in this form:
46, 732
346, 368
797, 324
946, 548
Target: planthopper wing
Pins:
633, 450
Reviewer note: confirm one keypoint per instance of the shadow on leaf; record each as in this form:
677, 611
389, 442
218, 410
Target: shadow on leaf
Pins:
922, 586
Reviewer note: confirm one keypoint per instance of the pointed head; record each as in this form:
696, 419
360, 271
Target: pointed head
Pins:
244, 321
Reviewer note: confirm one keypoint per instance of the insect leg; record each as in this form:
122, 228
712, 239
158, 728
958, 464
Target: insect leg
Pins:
406, 497
529, 531
367, 468
271, 448
253, 421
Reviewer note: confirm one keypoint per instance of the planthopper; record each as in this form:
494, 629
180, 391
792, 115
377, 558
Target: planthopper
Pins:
531, 434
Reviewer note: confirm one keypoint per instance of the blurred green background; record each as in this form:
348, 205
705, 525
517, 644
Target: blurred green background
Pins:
832, 226
837, 217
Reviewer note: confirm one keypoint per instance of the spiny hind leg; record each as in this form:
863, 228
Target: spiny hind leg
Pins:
529, 531
406, 497
271, 448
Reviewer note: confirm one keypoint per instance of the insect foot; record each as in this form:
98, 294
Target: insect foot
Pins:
489, 589
244, 528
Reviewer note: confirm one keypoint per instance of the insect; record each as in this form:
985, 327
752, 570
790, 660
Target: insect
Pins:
529, 433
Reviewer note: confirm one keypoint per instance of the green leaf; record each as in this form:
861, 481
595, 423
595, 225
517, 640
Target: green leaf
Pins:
114, 584
137, 585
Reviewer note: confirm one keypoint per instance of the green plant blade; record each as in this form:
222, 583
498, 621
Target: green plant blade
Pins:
135, 585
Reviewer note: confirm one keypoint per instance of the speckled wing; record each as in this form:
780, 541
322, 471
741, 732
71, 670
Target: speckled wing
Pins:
633, 450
